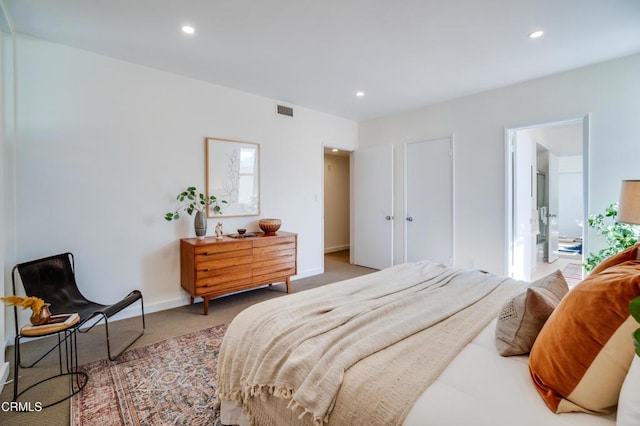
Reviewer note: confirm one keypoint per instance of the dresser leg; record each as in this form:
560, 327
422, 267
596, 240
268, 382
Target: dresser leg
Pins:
191, 300
205, 304
288, 283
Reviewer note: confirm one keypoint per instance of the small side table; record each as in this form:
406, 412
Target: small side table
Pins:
66, 333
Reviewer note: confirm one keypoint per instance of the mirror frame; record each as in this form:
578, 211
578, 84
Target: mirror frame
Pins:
216, 148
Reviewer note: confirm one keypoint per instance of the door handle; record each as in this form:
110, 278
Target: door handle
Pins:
409, 219
388, 217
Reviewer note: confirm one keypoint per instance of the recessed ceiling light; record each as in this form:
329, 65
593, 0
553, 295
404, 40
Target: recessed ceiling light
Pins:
188, 29
334, 150
536, 34
359, 94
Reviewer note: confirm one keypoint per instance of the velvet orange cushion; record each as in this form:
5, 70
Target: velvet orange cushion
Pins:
581, 356
624, 256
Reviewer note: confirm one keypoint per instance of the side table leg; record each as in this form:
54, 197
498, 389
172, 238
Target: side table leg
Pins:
16, 366
288, 282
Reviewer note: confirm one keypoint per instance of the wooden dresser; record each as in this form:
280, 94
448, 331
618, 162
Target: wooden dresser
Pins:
210, 268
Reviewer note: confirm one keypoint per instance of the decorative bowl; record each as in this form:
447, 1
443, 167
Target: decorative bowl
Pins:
241, 231
269, 226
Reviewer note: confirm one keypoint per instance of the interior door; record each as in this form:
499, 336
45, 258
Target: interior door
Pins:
373, 207
553, 211
523, 148
429, 201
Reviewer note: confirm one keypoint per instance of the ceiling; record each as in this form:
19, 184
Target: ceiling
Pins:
403, 54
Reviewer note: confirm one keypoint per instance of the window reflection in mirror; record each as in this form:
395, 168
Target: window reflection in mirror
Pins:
233, 174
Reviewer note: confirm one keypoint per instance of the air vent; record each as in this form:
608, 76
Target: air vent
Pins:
285, 110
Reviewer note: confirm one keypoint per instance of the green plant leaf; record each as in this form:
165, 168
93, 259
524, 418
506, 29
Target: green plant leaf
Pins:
194, 201
636, 340
619, 236
634, 309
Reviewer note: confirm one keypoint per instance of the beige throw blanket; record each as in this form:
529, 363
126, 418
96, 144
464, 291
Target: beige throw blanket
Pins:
299, 347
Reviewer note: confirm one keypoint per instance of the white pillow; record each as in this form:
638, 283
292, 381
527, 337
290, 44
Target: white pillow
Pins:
629, 401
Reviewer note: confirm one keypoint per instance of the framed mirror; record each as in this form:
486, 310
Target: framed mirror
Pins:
233, 175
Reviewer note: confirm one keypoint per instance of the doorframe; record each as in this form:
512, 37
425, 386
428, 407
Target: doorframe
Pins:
509, 176
452, 152
322, 245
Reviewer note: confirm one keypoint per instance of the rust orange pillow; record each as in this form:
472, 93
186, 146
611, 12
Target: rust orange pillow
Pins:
581, 356
624, 256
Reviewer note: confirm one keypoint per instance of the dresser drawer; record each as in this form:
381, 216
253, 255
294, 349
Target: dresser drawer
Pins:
217, 248
272, 241
223, 260
269, 274
264, 261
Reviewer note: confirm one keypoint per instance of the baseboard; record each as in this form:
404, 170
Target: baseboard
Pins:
134, 310
4, 374
309, 273
336, 248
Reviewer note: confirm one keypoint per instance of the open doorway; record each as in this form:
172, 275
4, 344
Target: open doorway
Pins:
337, 207
547, 178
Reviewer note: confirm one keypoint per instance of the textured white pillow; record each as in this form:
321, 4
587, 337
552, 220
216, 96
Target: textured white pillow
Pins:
522, 317
629, 401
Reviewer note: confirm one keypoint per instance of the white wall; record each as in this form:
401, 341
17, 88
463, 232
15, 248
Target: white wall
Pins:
4, 75
610, 92
336, 203
104, 146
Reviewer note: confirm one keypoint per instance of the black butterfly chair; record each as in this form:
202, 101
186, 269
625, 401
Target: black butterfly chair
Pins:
53, 280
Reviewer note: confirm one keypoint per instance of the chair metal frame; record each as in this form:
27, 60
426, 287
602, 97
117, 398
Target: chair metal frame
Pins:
94, 317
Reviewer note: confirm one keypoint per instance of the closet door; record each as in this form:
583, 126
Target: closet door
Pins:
429, 201
373, 207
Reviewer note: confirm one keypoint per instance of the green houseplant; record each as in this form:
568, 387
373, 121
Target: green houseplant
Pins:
634, 309
619, 236
194, 201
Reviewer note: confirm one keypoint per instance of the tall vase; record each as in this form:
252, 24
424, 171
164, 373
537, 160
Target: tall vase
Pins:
200, 224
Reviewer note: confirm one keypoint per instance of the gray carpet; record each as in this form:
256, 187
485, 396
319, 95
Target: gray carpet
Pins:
160, 326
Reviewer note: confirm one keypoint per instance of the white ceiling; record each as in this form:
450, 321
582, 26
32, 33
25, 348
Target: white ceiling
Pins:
403, 54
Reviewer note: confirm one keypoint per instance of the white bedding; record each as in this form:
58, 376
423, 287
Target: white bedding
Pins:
479, 388
482, 388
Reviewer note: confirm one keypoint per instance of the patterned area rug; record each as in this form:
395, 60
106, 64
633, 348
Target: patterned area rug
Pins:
172, 382
572, 273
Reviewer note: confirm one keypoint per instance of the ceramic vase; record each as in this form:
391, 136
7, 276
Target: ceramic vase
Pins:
42, 317
200, 224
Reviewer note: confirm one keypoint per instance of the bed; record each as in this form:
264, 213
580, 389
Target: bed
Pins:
289, 360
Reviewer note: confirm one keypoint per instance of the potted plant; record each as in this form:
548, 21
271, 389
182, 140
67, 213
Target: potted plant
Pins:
634, 309
194, 201
620, 236
40, 310
629, 401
